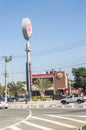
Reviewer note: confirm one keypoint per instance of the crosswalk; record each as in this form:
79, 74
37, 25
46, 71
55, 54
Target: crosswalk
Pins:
49, 122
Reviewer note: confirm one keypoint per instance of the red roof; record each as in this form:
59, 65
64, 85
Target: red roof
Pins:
42, 75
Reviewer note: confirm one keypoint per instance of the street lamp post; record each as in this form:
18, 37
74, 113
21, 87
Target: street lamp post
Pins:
27, 31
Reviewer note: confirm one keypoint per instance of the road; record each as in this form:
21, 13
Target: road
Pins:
42, 119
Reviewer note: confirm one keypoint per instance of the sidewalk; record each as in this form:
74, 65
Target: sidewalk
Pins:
33, 103
46, 104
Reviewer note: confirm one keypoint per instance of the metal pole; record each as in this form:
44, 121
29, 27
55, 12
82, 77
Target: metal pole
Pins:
28, 75
70, 86
5, 80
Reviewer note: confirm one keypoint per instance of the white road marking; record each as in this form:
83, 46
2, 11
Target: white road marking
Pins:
37, 126
71, 119
13, 127
18, 122
76, 116
54, 122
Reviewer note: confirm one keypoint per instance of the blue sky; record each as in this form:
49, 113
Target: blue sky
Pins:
58, 40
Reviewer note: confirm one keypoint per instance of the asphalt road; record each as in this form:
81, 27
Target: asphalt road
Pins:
42, 119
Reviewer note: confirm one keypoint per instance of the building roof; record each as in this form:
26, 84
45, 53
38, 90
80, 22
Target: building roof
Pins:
42, 75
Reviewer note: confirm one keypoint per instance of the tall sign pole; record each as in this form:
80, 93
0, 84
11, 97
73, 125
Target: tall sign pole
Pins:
27, 32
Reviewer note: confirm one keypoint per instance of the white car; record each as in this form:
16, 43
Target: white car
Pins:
3, 104
72, 99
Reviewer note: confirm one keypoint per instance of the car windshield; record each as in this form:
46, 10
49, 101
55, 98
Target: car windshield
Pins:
69, 96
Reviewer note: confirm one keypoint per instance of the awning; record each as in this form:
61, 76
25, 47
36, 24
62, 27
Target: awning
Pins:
51, 88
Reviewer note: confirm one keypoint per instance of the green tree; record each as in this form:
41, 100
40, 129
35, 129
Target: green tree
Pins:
16, 89
80, 77
43, 85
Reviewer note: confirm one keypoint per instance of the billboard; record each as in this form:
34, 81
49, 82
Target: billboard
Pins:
26, 28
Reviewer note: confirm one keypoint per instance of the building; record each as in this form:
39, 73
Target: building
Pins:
59, 79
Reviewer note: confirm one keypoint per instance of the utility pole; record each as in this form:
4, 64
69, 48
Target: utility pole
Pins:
5, 78
70, 85
7, 59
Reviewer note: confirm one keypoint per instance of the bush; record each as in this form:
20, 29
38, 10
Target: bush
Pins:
35, 98
84, 127
43, 98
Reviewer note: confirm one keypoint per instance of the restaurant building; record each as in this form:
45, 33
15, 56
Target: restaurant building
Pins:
58, 78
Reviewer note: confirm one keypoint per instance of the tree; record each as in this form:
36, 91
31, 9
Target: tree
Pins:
15, 89
42, 85
80, 77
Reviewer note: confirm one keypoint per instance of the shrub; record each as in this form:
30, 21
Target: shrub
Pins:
84, 127
43, 98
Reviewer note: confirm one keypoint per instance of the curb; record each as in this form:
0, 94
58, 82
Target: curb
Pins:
48, 105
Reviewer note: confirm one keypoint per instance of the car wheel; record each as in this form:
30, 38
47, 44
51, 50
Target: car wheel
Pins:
6, 107
63, 102
79, 101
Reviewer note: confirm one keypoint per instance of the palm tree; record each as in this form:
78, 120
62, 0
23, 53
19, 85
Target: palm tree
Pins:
15, 89
42, 85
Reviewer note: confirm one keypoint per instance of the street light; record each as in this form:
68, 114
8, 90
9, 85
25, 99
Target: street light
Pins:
27, 32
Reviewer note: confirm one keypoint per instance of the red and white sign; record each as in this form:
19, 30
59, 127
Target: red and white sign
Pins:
26, 28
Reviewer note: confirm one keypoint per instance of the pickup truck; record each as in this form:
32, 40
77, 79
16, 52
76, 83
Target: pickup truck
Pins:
72, 99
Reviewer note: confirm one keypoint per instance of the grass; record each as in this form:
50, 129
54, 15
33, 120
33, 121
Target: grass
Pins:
84, 127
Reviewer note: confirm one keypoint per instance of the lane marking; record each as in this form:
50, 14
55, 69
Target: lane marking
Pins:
37, 126
54, 122
14, 128
71, 119
30, 113
76, 116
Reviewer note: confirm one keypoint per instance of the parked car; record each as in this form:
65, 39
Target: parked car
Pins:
11, 99
3, 104
24, 98
72, 99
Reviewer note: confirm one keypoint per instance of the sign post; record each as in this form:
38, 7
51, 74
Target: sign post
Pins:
27, 32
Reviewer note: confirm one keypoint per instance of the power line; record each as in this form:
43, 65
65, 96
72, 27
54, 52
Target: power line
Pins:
55, 68
61, 48
57, 49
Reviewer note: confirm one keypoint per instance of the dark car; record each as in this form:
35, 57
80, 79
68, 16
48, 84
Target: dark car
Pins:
11, 99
